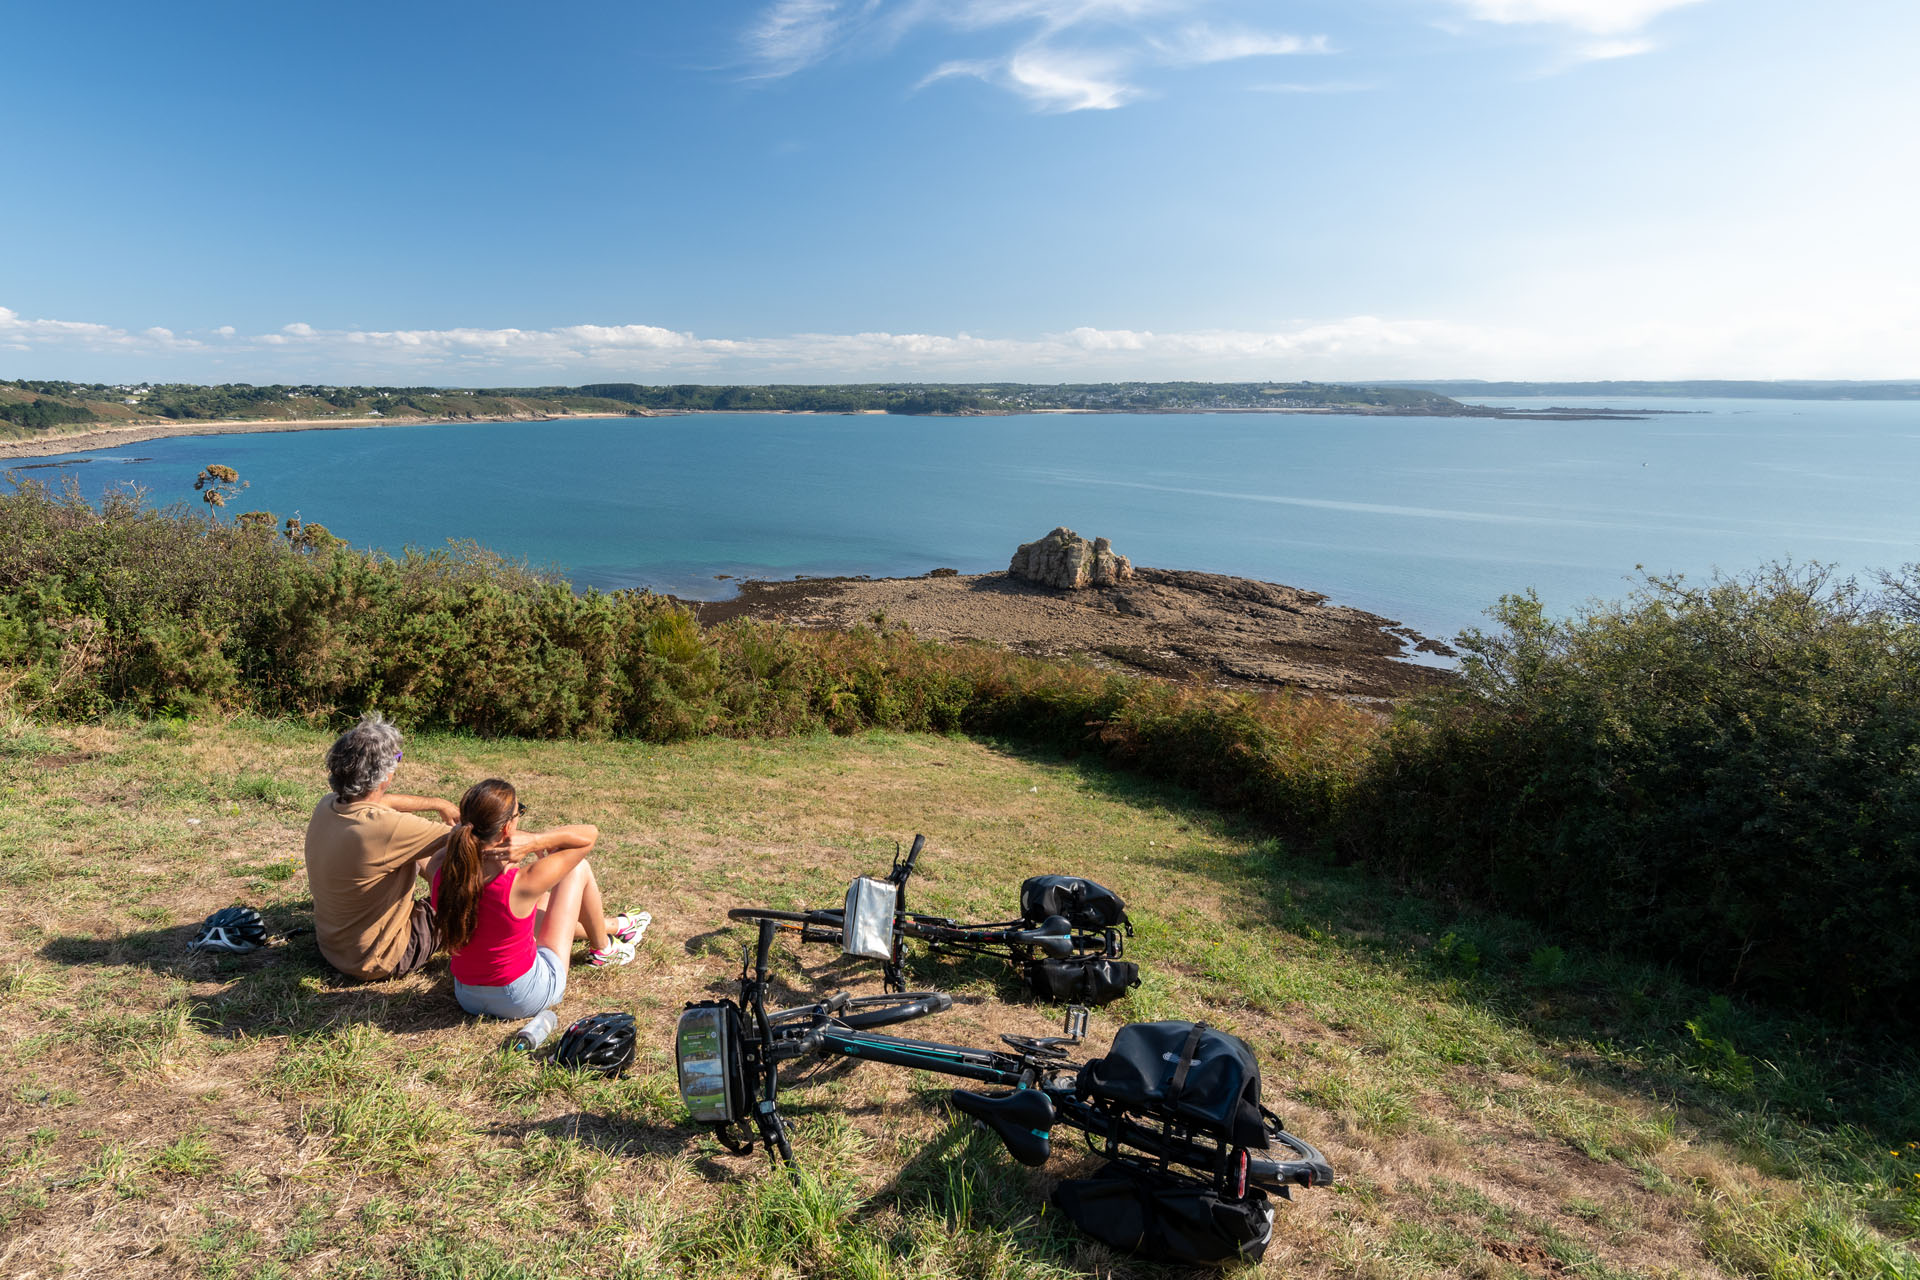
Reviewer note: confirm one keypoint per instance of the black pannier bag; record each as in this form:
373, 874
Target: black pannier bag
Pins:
1088, 980
1163, 1217
1185, 1070
1086, 905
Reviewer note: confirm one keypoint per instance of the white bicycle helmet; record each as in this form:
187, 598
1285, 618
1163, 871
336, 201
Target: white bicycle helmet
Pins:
233, 929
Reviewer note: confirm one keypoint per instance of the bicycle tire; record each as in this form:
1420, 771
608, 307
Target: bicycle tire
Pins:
865, 1012
788, 919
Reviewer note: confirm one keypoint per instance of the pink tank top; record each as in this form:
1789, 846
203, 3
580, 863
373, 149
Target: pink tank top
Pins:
501, 949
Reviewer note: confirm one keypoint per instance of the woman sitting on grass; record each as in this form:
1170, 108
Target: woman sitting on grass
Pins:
508, 925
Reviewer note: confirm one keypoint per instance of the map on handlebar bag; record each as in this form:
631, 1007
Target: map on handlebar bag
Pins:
867, 924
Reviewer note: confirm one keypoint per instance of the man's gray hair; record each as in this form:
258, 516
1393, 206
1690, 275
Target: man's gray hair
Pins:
363, 757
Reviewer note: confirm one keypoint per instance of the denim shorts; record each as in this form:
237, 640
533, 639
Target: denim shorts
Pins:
540, 987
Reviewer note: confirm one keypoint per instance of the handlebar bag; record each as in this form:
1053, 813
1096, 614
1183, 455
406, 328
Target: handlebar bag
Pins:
1162, 1217
1186, 1071
713, 1079
1086, 905
867, 924
1088, 980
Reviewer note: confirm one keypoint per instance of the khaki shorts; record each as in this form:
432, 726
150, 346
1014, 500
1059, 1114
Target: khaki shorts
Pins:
422, 941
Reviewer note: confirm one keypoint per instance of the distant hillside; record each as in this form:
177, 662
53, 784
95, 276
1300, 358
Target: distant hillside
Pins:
1792, 389
31, 409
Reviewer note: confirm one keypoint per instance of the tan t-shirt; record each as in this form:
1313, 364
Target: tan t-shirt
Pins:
360, 866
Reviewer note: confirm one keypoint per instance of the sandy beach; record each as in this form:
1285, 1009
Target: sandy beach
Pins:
1234, 632
114, 437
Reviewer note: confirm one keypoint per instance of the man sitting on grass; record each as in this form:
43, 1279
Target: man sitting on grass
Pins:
365, 848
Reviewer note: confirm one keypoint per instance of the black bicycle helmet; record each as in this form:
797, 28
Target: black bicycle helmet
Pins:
235, 929
603, 1042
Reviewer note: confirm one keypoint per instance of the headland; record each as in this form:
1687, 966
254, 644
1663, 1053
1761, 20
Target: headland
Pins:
1179, 624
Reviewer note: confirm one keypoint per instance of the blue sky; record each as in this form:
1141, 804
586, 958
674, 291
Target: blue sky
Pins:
1047, 190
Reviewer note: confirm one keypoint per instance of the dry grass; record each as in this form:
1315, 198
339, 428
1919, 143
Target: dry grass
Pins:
253, 1117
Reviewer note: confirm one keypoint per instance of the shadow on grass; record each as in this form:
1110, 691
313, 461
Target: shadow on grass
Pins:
963, 1178
615, 1137
285, 988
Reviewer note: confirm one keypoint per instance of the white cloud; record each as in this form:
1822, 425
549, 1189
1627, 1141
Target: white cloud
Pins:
25, 335
1199, 45
1602, 50
792, 34
1597, 17
1051, 81
1762, 341
1066, 55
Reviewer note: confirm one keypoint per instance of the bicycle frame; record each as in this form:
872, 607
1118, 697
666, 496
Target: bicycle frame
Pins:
1039, 1066
1008, 940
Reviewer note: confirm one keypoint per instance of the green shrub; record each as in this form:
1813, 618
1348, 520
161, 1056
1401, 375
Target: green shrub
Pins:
1725, 775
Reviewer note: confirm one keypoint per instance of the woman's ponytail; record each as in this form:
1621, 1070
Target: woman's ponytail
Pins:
459, 888
484, 813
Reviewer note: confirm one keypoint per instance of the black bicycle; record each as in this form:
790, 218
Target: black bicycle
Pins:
1173, 1106
1068, 943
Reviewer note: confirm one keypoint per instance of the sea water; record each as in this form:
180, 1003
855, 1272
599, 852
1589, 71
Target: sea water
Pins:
1426, 520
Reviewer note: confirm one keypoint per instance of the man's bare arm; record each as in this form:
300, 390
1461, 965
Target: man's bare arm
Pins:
422, 804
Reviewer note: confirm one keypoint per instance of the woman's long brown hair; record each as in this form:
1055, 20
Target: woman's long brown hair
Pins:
484, 813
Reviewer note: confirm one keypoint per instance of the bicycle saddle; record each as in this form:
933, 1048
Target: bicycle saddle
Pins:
1041, 1046
1053, 936
1023, 1119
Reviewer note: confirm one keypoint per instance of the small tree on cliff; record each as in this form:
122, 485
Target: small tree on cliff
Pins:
217, 484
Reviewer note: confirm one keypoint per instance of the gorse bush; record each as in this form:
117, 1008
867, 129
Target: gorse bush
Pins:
166, 610
1726, 775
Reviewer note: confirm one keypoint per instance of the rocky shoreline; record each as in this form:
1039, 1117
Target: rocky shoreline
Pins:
1183, 625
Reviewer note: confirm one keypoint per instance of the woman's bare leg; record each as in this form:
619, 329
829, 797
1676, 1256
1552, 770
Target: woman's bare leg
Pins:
593, 907
564, 911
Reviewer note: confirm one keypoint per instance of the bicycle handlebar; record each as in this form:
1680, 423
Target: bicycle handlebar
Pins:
902, 872
765, 950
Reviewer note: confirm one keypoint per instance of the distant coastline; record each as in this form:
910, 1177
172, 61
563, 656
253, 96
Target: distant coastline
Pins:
116, 435
112, 437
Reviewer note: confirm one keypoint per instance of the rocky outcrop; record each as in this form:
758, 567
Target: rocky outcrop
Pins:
1065, 559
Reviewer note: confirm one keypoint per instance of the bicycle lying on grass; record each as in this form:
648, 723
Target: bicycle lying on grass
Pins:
1068, 942
1173, 1106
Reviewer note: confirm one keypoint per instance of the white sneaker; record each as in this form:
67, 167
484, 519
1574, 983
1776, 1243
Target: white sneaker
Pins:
617, 952
631, 926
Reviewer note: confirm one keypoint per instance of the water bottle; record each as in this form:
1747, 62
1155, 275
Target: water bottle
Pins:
535, 1033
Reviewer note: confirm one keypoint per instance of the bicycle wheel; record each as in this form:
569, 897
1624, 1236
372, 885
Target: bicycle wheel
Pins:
788, 919
866, 1012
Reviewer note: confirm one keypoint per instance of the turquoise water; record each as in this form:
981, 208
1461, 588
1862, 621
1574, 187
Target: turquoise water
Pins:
1425, 520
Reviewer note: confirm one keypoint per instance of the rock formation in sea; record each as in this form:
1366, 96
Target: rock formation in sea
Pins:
1065, 559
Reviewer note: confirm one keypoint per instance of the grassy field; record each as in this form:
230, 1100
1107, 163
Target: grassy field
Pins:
1497, 1105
